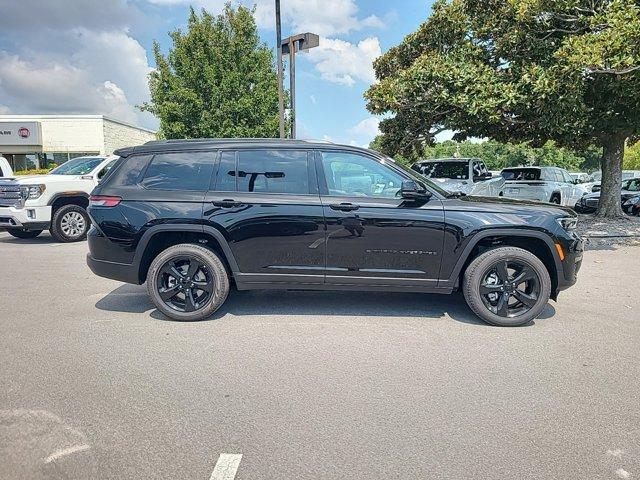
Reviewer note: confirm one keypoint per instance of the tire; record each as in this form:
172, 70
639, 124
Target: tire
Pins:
486, 268
18, 233
70, 223
555, 198
212, 274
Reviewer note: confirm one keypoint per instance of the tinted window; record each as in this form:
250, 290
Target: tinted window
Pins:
106, 169
632, 185
77, 166
270, 171
457, 170
227, 172
127, 170
179, 171
521, 174
354, 175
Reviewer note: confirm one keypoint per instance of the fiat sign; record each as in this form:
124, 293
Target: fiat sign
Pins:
20, 133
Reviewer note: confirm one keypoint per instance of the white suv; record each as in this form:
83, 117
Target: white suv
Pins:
545, 184
57, 201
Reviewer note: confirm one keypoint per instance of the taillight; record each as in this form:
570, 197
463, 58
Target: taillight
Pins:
103, 201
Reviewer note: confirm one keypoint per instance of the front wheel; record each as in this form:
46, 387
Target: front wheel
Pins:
70, 223
187, 282
18, 233
507, 286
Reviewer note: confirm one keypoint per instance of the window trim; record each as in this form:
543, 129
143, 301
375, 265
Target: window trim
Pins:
312, 177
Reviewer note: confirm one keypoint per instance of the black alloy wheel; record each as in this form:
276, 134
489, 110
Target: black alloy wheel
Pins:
185, 284
510, 288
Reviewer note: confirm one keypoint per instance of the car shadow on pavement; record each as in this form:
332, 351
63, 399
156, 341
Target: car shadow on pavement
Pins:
134, 299
43, 239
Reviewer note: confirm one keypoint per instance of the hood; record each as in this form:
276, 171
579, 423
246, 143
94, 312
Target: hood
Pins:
31, 179
507, 205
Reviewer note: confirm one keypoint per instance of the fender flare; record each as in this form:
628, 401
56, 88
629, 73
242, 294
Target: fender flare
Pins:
205, 229
71, 194
503, 232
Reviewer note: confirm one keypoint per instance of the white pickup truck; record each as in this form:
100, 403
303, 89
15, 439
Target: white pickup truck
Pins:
5, 168
57, 201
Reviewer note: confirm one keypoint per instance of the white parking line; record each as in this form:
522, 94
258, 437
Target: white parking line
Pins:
226, 466
66, 451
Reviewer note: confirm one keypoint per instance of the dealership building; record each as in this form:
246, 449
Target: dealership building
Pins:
34, 141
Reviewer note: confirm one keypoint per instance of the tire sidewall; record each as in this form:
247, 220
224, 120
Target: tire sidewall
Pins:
215, 267
56, 223
480, 266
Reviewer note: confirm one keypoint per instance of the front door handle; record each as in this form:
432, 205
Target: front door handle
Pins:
226, 203
344, 207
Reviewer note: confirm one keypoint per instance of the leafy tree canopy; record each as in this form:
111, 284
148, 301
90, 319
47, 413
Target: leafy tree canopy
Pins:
517, 70
218, 79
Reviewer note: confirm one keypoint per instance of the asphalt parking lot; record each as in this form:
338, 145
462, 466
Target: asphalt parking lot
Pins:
305, 385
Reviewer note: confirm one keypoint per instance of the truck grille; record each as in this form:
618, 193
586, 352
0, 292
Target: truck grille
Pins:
11, 196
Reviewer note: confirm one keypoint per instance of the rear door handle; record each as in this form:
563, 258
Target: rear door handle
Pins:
226, 203
344, 207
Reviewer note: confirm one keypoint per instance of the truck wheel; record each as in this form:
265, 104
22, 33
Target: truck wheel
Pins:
70, 223
507, 286
18, 233
187, 282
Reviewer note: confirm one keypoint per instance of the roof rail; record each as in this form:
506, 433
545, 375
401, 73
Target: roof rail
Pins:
234, 140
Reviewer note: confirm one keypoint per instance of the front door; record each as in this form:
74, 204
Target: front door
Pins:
266, 203
375, 237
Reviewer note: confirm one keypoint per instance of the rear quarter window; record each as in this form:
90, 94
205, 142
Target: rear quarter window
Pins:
127, 170
179, 171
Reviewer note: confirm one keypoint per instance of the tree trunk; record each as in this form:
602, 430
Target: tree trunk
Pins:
611, 183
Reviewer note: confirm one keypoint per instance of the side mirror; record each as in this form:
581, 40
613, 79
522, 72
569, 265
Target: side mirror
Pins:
411, 190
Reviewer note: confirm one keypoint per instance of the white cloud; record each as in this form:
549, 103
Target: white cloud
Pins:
78, 70
342, 62
366, 128
324, 17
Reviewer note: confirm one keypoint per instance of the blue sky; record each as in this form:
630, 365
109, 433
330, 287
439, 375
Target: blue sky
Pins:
93, 57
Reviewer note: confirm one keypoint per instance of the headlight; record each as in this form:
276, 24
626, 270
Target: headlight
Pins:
632, 201
568, 223
30, 192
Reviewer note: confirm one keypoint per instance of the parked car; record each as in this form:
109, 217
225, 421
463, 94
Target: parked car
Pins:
57, 201
544, 184
5, 168
626, 175
589, 202
631, 206
584, 181
192, 217
467, 175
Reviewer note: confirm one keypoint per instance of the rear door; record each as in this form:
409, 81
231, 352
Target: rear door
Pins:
266, 203
375, 237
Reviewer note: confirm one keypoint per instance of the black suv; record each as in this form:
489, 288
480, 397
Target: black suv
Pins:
193, 217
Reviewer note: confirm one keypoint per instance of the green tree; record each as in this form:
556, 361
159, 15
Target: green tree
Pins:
519, 71
632, 157
218, 79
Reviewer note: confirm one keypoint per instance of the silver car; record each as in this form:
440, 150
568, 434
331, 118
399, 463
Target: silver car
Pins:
545, 184
466, 175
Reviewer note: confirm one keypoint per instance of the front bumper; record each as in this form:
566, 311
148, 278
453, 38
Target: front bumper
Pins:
28, 218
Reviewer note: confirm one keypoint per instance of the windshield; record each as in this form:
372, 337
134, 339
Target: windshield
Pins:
453, 170
77, 166
521, 174
420, 179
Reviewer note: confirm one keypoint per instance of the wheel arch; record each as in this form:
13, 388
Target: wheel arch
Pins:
160, 237
538, 243
61, 199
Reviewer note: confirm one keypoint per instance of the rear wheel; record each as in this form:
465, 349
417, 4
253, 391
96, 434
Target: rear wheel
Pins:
507, 286
70, 223
18, 233
555, 198
187, 282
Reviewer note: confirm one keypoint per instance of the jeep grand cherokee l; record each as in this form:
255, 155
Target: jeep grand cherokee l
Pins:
191, 218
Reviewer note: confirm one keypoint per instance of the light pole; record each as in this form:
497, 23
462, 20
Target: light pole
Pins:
280, 79
304, 42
